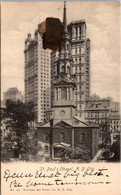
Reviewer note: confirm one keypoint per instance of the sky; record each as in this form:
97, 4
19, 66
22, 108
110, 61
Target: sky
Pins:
103, 29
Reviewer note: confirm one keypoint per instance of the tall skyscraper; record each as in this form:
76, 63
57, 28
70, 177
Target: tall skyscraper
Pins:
37, 75
80, 52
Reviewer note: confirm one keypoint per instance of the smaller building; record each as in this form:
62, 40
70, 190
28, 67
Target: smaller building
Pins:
97, 109
12, 94
64, 134
104, 111
115, 123
115, 117
49, 114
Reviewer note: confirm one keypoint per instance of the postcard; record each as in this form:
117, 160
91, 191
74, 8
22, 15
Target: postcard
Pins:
60, 98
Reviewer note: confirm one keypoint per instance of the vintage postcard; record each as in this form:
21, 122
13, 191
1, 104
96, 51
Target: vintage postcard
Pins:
60, 98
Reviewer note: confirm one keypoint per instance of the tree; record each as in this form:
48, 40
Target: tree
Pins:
80, 153
18, 116
112, 153
115, 149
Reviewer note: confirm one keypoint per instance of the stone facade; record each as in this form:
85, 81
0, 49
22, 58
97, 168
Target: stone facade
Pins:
97, 109
103, 110
37, 75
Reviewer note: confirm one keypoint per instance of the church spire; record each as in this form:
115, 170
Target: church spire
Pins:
64, 67
64, 19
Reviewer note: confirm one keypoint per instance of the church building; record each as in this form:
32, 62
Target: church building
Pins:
64, 129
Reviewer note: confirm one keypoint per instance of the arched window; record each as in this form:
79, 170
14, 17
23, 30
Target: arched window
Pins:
46, 137
63, 93
74, 32
68, 70
62, 69
82, 138
67, 47
62, 137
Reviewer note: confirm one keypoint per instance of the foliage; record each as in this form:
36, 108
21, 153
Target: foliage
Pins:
30, 149
17, 116
6, 151
106, 154
81, 153
28, 145
112, 154
115, 149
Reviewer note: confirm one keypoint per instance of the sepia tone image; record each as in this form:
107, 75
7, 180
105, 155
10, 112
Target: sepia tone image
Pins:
60, 82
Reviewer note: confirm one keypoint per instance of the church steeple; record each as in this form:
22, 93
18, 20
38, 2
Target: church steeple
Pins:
64, 67
65, 30
64, 19
64, 85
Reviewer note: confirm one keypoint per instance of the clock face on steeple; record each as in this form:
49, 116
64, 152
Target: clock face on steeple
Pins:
62, 112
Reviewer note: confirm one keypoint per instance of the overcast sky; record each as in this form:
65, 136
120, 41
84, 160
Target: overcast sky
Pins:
103, 29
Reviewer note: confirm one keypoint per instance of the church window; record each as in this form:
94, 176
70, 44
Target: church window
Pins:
62, 137
57, 93
82, 138
76, 97
79, 50
62, 69
76, 32
69, 93
67, 46
75, 69
68, 70
46, 148
88, 114
46, 137
63, 94
75, 51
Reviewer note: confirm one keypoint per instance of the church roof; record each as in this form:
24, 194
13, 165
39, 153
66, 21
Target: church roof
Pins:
46, 124
63, 123
70, 123
61, 145
79, 123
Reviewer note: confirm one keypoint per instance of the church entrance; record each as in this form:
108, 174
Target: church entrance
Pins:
58, 150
